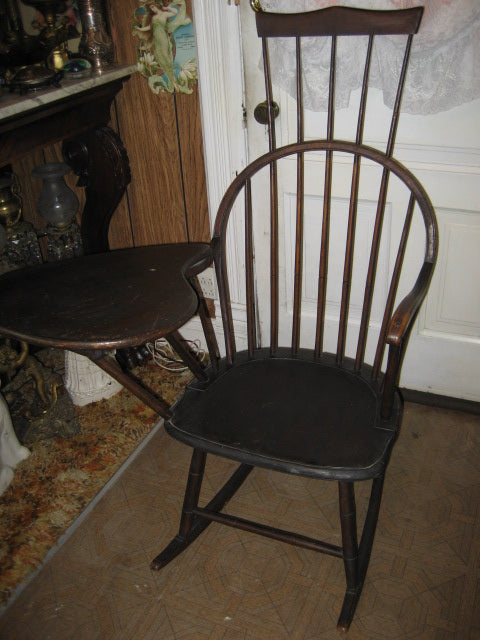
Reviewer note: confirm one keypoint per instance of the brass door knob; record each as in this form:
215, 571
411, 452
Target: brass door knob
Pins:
260, 112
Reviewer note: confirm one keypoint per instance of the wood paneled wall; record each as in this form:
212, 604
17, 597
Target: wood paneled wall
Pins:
166, 200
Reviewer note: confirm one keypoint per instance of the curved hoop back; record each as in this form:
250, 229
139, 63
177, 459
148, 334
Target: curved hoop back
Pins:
392, 327
389, 326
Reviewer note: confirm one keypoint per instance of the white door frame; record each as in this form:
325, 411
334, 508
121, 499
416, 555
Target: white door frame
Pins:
221, 92
221, 88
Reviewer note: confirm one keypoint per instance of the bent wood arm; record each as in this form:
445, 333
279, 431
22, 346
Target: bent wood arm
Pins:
398, 332
407, 310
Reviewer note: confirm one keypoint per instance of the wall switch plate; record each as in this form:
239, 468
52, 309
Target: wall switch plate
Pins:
207, 282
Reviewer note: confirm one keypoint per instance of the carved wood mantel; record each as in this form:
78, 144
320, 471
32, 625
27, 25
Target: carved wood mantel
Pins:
77, 114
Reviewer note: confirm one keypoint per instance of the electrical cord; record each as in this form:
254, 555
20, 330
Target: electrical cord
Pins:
165, 357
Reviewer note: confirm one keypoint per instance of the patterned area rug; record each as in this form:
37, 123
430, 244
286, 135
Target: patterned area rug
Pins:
63, 474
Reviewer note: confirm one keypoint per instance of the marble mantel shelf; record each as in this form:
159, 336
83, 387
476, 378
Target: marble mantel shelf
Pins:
13, 104
78, 115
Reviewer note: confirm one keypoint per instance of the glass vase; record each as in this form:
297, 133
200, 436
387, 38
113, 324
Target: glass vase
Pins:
58, 205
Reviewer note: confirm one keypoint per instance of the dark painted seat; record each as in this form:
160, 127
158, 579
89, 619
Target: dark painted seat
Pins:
289, 414
291, 393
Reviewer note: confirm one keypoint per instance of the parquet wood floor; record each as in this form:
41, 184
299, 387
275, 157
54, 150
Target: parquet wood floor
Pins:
423, 581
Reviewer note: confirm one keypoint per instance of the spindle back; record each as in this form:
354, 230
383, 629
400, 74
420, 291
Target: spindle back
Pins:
335, 22
314, 164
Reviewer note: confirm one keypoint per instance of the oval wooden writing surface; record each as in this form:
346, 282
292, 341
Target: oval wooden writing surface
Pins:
103, 301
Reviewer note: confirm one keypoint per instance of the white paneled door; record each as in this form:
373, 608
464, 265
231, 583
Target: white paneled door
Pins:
442, 150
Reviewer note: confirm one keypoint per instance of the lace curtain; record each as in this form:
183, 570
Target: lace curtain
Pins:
444, 62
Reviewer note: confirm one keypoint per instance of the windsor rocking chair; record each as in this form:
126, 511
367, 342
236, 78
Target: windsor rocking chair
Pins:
329, 410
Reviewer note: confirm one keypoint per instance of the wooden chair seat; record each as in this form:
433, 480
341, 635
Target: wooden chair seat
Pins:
294, 415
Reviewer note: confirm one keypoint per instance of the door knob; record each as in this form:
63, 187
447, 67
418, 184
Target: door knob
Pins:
260, 112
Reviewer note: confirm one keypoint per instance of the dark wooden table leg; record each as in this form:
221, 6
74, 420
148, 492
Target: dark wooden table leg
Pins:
107, 362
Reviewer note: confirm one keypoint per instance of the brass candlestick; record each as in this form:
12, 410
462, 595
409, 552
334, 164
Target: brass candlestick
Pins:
53, 35
49, 10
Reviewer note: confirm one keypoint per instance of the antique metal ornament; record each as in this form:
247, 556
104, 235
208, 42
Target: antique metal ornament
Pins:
95, 43
54, 34
34, 77
39, 407
10, 201
12, 359
19, 246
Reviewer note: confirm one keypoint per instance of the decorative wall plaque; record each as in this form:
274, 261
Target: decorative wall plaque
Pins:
166, 46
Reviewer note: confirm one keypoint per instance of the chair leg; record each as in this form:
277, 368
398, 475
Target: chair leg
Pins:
348, 521
370, 526
193, 523
186, 533
356, 558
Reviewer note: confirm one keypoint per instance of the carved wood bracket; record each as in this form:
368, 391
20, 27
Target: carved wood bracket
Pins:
100, 161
